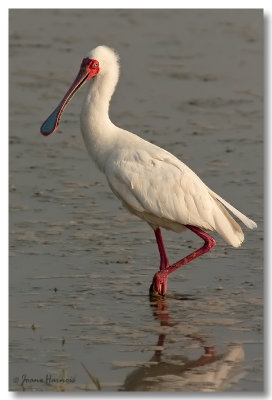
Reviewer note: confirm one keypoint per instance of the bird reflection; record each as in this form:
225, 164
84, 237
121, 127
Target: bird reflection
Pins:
209, 372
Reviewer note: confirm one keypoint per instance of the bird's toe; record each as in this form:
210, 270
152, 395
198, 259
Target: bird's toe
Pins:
159, 284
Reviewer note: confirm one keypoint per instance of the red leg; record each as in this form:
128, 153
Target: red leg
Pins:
159, 284
208, 245
164, 263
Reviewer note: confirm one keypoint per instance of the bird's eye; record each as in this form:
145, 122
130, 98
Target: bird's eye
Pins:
95, 65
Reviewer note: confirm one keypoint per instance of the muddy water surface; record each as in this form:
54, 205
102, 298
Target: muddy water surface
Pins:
80, 265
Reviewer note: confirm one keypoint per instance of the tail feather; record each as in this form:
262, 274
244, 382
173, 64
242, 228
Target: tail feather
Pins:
248, 222
230, 230
227, 227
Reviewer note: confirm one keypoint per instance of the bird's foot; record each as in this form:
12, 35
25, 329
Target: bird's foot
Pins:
159, 284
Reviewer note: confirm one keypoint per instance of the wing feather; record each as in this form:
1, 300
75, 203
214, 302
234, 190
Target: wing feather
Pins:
161, 189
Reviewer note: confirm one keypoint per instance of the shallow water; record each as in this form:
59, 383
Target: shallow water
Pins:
80, 265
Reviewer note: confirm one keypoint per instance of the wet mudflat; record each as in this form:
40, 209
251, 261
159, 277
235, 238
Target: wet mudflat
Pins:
80, 266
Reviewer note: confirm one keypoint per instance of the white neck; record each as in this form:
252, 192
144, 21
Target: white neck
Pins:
96, 126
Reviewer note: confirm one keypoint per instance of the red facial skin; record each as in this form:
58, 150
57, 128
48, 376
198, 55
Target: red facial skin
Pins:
91, 67
88, 69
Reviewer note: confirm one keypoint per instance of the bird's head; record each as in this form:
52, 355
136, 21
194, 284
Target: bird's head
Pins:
98, 61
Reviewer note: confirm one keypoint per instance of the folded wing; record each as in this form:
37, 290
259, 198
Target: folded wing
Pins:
163, 187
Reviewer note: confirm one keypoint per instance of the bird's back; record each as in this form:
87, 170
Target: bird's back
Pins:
159, 188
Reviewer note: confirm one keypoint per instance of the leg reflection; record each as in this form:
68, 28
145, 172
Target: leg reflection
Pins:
178, 372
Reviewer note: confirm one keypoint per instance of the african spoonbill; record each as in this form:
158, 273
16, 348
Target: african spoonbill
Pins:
150, 182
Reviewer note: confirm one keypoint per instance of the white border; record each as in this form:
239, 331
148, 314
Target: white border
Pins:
266, 5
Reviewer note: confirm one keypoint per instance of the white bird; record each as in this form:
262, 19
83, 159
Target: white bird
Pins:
150, 182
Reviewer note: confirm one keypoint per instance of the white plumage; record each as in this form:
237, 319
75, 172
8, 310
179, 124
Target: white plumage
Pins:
151, 183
